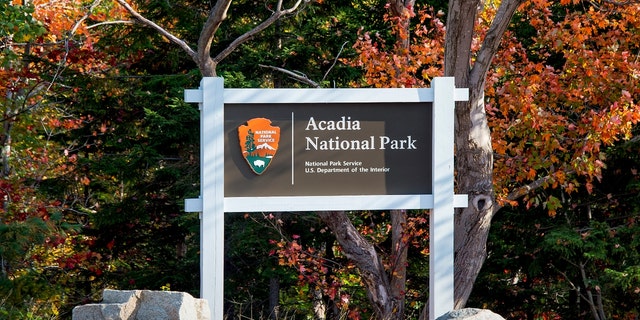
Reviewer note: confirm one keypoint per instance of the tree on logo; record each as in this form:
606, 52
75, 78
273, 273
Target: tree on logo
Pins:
249, 145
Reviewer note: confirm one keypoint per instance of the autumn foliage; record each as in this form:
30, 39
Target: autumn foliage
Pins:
564, 84
395, 66
45, 45
562, 88
326, 276
92, 144
573, 91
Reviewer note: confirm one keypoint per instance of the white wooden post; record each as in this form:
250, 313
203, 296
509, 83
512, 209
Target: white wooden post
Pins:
441, 221
211, 201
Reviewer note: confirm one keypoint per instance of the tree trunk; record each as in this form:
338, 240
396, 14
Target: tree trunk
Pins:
333, 311
474, 153
319, 305
357, 249
474, 166
398, 258
274, 297
5, 144
400, 9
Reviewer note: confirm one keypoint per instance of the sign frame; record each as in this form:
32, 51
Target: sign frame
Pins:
212, 204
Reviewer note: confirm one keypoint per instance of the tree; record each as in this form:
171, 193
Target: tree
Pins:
42, 248
474, 163
479, 63
581, 264
202, 56
561, 157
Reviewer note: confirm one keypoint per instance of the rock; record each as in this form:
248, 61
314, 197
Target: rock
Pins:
144, 305
470, 314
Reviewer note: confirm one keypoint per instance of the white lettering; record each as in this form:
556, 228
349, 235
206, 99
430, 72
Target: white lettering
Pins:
314, 143
398, 144
345, 123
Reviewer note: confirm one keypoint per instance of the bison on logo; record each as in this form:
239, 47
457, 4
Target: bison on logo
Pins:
259, 143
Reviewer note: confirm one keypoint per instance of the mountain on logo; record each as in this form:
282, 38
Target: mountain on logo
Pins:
265, 146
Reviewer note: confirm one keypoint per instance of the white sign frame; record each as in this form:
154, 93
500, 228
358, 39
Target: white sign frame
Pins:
212, 204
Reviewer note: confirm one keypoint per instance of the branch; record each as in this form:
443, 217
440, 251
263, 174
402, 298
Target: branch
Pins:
216, 16
357, 249
86, 15
460, 19
73, 30
492, 40
574, 287
158, 28
277, 14
615, 3
110, 22
527, 189
32, 92
585, 281
298, 76
335, 60
398, 7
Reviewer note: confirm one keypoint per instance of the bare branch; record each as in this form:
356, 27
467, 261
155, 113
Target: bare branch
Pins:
160, 30
335, 60
110, 22
298, 76
279, 13
216, 16
86, 15
218, 13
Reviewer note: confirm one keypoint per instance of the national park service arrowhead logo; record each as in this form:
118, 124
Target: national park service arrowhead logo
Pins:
259, 143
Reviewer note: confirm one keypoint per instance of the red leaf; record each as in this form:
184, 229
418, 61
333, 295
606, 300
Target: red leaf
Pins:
111, 244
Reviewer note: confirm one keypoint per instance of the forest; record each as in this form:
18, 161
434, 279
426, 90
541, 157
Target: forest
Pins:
99, 150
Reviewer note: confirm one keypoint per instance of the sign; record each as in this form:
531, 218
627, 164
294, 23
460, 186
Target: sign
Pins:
280, 150
327, 149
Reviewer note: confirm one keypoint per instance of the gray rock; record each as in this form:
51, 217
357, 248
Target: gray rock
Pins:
144, 305
119, 296
470, 314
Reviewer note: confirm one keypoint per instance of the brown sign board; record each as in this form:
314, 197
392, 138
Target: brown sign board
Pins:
328, 149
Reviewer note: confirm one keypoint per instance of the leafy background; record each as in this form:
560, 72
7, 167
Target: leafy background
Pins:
99, 151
